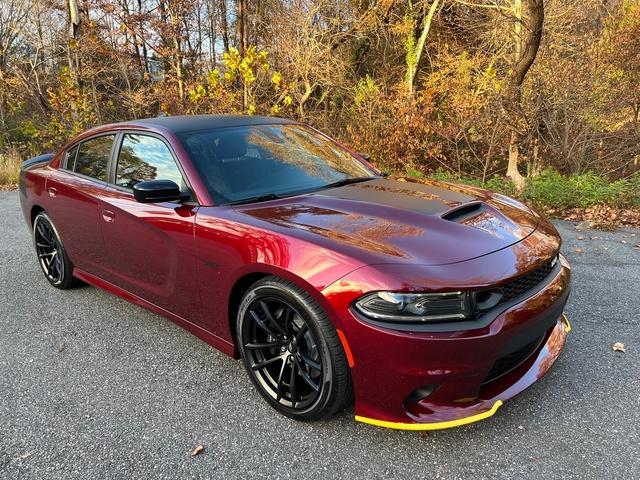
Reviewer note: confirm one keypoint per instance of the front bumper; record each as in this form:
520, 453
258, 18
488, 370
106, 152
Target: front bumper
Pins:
529, 373
389, 366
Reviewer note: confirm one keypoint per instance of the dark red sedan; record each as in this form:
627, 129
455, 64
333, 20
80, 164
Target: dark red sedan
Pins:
429, 303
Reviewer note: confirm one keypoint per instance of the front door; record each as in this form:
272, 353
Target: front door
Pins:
149, 245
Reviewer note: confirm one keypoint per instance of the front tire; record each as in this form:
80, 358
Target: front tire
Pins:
291, 351
52, 257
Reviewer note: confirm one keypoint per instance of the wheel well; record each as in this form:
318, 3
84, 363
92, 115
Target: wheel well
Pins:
237, 292
35, 210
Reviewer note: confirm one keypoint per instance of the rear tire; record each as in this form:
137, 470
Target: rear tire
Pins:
52, 257
292, 352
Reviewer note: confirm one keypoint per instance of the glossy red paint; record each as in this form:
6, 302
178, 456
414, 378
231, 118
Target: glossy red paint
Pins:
186, 261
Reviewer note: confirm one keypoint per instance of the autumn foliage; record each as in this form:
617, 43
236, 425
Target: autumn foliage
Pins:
424, 87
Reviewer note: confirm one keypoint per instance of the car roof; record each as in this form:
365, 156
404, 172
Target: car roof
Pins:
185, 123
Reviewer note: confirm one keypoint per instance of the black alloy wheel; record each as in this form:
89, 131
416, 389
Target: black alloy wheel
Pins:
291, 351
52, 256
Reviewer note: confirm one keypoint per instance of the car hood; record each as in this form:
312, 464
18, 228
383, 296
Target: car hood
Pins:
382, 220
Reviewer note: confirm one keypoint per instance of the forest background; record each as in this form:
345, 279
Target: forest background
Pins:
539, 99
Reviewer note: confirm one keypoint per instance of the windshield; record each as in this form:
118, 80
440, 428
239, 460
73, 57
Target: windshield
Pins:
269, 161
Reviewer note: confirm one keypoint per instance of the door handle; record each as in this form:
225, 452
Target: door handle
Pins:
52, 191
108, 216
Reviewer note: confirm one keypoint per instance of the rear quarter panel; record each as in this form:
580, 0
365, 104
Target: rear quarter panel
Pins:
32, 187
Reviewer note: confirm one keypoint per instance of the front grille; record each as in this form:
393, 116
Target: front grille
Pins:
527, 282
510, 361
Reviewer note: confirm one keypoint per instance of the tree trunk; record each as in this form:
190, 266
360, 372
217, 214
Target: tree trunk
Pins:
512, 168
145, 60
224, 27
212, 34
242, 37
416, 47
527, 43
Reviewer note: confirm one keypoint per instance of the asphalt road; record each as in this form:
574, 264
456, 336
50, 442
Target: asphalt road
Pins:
94, 387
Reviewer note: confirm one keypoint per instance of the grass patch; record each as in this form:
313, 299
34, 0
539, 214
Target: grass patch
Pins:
10, 163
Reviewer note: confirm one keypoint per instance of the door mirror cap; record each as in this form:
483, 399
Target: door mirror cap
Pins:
155, 191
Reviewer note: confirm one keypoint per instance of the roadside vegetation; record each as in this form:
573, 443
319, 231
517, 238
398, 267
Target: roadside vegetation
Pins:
534, 98
10, 162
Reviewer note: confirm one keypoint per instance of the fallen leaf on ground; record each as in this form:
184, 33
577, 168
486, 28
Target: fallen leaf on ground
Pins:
580, 237
619, 347
624, 241
60, 347
25, 455
197, 450
578, 250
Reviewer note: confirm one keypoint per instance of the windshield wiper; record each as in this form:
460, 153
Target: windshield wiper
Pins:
348, 181
257, 198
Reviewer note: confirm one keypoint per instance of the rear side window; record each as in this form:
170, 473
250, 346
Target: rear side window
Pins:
70, 158
93, 157
143, 157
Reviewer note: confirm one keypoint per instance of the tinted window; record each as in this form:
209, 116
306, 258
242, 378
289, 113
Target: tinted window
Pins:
145, 158
70, 158
93, 157
244, 162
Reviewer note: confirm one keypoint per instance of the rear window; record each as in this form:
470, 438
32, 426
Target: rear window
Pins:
93, 157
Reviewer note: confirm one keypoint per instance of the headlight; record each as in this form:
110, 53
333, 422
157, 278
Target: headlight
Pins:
416, 307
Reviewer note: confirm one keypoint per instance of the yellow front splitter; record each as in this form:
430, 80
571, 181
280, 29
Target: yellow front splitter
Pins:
432, 426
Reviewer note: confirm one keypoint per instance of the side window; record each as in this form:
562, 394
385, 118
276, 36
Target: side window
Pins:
143, 157
70, 158
93, 157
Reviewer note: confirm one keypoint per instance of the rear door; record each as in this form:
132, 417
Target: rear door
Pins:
149, 245
74, 192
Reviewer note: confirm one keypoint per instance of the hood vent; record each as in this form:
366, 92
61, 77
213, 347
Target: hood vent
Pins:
463, 212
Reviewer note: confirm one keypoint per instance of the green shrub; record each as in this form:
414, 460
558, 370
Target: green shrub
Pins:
496, 183
552, 189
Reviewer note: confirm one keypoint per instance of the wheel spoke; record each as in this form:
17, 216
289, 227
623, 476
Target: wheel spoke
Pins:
260, 346
307, 378
43, 245
312, 363
261, 365
40, 230
270, 318
292, 384
280, 386
42, 255
301, 333
288, 317
261, 324
57, 265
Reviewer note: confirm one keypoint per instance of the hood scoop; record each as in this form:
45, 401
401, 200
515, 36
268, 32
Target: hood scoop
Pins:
464, 212
488, 218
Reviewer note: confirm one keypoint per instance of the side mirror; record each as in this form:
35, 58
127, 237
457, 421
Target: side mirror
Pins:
154, 191
366, 156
